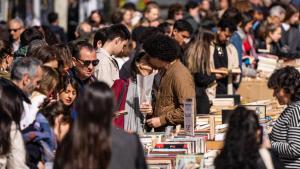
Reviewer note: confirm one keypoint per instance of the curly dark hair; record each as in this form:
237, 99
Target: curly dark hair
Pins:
288, 79
162, 47
241, 148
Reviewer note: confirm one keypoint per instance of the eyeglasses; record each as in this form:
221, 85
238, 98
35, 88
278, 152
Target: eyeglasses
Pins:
87, 63
14, 30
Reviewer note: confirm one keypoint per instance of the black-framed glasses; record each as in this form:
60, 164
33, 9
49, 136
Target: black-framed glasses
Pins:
87, 63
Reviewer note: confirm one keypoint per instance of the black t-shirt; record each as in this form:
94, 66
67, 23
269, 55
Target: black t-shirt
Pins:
221, 60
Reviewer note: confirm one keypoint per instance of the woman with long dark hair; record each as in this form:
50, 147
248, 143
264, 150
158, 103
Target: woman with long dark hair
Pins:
88, 143
242, 148
12, 150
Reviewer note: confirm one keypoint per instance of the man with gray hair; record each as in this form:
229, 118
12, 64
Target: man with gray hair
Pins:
278, 11
15, 28
26, 74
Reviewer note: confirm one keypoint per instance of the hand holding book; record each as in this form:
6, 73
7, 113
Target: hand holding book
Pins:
220, 72
146, 108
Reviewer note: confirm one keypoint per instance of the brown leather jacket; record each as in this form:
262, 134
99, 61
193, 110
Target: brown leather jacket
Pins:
176, 85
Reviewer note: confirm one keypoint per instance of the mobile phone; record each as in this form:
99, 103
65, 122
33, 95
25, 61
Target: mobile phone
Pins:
120, 114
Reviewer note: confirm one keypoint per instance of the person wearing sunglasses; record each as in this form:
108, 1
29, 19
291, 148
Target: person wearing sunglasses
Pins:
84, 60
15, 28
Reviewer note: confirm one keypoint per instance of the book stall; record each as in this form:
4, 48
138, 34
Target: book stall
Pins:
197, 143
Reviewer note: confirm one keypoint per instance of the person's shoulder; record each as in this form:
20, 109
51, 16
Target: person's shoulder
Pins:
124, 136
235, 36
292, 111
180, 66
294, 107
102, 56
37, 98
230, 46
125, 141
181, 71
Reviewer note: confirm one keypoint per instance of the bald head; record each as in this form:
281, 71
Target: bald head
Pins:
83, 30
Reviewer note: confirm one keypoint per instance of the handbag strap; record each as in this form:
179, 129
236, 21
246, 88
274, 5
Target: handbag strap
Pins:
266, 157
124, 86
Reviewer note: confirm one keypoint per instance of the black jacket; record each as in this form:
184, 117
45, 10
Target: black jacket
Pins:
291, 38
127, 151
202, 82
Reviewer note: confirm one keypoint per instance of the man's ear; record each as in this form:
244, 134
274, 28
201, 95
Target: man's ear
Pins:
99, 44
74, 61
26, 79
117, 40
76, 34
174, 32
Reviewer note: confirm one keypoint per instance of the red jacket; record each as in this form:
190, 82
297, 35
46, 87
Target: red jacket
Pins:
120, 87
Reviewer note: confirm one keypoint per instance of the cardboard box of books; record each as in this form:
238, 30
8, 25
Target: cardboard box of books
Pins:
252, 90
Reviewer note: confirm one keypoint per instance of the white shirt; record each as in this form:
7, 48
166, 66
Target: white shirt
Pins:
16, 45
30, 110
121, 61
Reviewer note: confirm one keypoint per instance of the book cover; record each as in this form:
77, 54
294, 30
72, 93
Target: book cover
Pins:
188, 161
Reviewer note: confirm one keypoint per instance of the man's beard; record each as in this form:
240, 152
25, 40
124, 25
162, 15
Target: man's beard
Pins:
29, 89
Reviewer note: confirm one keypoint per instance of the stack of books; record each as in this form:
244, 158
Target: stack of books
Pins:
193, 161
267, 65
176, 151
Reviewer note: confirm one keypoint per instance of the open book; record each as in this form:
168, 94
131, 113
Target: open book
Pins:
232, 71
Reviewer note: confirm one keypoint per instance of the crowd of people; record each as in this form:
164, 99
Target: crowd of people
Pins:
74, 103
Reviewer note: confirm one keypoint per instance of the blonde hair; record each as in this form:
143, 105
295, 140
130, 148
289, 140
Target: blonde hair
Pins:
197, 55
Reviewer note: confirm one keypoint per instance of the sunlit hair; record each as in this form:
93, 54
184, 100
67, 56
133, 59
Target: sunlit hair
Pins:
49, 80
198, 52
64, 56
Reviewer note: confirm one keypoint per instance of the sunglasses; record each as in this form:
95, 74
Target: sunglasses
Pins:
87, 63
14, 30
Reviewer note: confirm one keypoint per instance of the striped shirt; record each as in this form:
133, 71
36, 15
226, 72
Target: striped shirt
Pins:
285, 136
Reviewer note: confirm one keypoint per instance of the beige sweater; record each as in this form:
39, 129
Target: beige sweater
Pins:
16, 158
233, 62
